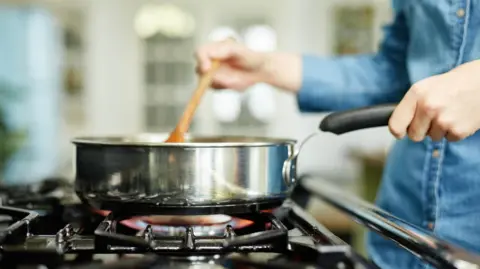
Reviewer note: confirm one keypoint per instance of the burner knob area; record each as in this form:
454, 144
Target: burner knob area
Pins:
68, 230
60, 236
64, 234
148, 233
190, 239
229, 232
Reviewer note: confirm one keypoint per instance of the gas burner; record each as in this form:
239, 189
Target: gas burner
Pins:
174, 228
212, 225
187, 220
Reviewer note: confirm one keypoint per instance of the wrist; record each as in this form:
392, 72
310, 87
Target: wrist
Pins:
266, 70
282, 70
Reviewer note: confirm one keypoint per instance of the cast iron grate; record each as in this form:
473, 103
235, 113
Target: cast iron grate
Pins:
273, 238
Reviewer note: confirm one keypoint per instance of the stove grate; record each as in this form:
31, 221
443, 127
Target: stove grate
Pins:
272, 238
19, 227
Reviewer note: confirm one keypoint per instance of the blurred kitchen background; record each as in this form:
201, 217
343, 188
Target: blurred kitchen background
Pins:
73, 67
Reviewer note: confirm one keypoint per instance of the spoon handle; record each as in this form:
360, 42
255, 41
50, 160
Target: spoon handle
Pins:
184, 123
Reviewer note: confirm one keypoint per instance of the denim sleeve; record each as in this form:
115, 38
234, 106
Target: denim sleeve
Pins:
337, 83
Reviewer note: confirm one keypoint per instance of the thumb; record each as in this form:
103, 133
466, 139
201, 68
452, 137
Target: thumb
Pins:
220, 51
403, 115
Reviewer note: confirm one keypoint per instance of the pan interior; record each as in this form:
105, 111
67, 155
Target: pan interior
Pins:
190, 140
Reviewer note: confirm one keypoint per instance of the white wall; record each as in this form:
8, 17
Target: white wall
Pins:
113, 88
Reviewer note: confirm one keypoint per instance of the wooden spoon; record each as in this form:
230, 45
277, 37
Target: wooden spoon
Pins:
178, 134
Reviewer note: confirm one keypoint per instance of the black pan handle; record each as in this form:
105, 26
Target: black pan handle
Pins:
357, 119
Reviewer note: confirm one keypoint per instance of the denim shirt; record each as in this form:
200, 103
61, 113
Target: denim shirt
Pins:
435, 185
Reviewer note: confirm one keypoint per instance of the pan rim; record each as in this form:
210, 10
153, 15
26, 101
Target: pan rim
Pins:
157, 140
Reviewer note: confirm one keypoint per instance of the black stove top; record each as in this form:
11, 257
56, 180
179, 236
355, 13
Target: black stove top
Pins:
46, 226
275, 240
42, 225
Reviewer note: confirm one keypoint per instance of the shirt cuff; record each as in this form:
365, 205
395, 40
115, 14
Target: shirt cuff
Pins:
314, 95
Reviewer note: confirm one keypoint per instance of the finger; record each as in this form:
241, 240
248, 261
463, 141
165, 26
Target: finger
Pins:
198, 70
203, 61
458, 133
454, 123
227, 78
221, 51
418, 128
452, 137
218, 86
436, 132
403, 115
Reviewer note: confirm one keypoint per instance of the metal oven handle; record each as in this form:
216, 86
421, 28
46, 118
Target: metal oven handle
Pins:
418, 241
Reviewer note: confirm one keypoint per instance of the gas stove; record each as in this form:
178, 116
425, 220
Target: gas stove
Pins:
45, 226
274, 240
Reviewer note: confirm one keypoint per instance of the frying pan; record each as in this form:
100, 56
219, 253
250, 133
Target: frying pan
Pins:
205, 175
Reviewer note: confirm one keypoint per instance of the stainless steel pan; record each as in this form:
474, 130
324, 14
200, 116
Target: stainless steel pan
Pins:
205, 175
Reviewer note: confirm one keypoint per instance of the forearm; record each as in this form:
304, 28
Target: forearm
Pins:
336, 83
283, 70
332, 83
